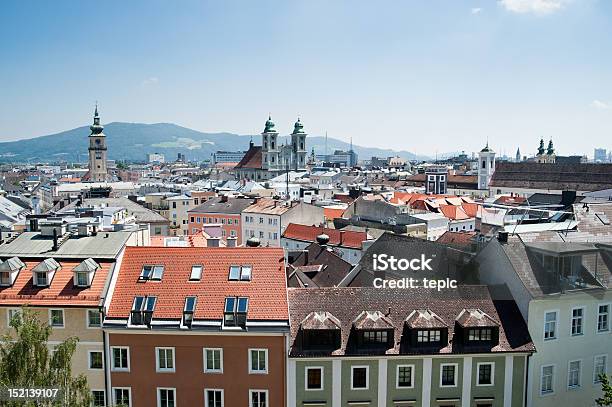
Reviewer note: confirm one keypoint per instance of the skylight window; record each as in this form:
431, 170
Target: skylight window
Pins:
196, 272
150, 272
158, 272
142, 310
146, 272
240, 273
235, 312
190, 303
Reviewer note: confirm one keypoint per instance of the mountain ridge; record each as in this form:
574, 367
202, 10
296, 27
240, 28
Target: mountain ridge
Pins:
133, 141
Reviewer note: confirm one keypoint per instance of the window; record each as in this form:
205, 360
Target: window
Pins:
261, 220
600, 367
5, 278
485, 374
192, 219
359, 377
164, 359
479, 334
258, 398
56, 318
146, 272
11, 313
547, 379
374, 337
213, 398
122, 396
149, 272
235, 313
95, 359
234, 273
428, 336
188, 310
142, 310
448, 375
550, 325
94, 319
121, 358
98, 398
603, 318
314, 378
213, 360
258, 361
573, 374
404, 376
196, 272
577, 318
166, 397
82, 278
41, 279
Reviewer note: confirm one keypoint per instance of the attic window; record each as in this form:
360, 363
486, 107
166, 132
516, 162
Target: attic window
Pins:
84, 273
9, 271
142, 310
428, 335
188, 310
196, 272
240, 273
150, 272
42, 274
235, 312
480, 334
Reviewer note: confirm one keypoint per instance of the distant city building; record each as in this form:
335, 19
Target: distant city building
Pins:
437, 177
518, 155
181, 158
220, 157
156, 158
600, 155
97, 152
486, 167
546, 156
340, 157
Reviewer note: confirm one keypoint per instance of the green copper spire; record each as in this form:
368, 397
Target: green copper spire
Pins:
550, 150
541, 148
269, 126
298, 128
96, 127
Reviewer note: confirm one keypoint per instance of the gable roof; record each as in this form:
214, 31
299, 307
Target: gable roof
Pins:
342, 238
252, 159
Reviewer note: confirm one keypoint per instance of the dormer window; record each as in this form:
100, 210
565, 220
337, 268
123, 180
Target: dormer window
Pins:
480, 334
84, 273
374, 329
240, 273
9, 271
320, 330
235, 311
188, 310
196, 272
42, 274
374, 337
142, 310
152, 272
476, 327
426, 329
428, 335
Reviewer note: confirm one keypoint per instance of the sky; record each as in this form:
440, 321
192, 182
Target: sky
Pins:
424, 76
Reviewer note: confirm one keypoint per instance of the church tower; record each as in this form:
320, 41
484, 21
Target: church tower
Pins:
97, 151
269, 146
486, 167
518, 155
298, 146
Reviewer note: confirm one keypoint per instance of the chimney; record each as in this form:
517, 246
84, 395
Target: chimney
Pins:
502, 236
305, 257
55, 246
341, 237
224, 198
212, 242
568, 198
253, 242
231, 241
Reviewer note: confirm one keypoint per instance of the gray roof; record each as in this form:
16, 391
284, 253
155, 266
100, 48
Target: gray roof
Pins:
142, 214
47, 265
87, 265
104, 245
217, 205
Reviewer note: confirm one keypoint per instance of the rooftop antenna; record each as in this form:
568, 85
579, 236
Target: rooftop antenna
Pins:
326, 145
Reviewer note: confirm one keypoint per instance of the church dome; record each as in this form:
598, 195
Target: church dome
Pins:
487, 149
269, 126
96, 127
298, 128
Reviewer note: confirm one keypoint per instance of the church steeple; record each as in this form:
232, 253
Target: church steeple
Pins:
550, 150
96, 128
541, 148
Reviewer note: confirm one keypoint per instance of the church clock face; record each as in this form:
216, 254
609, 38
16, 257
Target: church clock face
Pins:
97, 141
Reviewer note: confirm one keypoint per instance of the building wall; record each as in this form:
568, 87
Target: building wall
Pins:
189, 378
230, 223
267, 228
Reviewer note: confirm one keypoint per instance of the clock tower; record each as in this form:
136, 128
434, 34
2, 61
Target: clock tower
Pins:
97, 151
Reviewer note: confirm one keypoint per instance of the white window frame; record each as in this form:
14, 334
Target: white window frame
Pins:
129, 389
609, 304
251, 371
579, 385
112, 356
87, 324
251, 391
321, 368
9, 316
456, 365
492, 364
159, 389
95, 369
367, 368
159, 369
605, 356
397, 369
206, 396
206, 370
552, 381
63, 318
103, 392
581, 322
557, 314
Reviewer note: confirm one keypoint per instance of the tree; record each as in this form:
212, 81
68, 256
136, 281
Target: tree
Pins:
26, 360
606, 387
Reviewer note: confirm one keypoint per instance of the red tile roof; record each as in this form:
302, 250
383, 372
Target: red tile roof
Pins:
61, 292
453, 212
306, 233
266, 291
252, 158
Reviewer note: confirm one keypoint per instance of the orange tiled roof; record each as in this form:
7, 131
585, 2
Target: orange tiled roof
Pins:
453, 212
306, 233
61, 292
266, 291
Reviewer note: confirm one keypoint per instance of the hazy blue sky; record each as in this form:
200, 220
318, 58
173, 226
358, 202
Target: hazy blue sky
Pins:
424, 76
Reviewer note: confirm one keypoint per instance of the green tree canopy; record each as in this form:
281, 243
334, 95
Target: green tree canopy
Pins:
606, 387
27, 361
